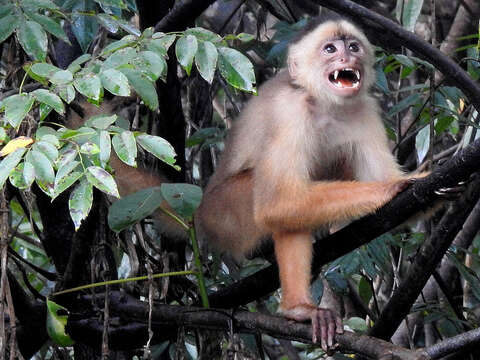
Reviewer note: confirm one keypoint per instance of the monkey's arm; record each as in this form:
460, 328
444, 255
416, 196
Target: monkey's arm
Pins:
306, 206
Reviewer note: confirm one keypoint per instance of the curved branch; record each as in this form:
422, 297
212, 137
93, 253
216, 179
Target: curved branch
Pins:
183, 14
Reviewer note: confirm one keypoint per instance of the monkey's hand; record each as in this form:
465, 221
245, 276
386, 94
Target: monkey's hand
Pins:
394, 187
325, 322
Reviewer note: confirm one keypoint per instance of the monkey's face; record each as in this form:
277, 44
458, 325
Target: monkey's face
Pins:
342, 61
333, 62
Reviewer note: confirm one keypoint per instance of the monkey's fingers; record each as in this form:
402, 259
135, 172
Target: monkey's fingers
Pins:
451, 193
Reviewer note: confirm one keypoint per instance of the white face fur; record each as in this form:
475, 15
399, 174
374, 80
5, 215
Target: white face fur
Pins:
333, 62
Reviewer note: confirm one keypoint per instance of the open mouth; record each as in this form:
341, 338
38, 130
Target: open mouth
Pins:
345, 78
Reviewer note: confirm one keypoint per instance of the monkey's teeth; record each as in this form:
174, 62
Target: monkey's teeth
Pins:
335, 75
357, 74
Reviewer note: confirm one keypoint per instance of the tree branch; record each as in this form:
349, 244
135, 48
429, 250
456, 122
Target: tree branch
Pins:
134, 313
425, 262
183, 14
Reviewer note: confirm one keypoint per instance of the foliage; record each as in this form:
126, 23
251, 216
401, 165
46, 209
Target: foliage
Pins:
39, 151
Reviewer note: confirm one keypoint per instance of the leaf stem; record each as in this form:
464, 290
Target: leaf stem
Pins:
198, 267
121, 281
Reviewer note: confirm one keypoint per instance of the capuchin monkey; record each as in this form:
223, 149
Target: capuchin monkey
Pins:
309, 152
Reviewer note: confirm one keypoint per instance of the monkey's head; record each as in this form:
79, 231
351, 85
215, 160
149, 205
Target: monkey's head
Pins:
333, 62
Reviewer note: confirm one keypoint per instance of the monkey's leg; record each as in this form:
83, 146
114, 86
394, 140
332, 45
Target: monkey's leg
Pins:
294, 255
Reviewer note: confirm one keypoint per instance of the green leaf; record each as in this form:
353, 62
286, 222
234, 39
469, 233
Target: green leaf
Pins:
404, 104
116, 45
64, 171
357, 324
75, 64
143, 87
206, 60
119, 57
17, 107
108, 22
105, 147
236, 68
42, 4
126, 147
244, 37
102, 180
3, 136
159, 147
365, 290
7, 26
84, 27
89, 148
115, 82
67, 93
44, 69
44, 110
404, 60
43, 169
411, 11
48, 149
16, 177
9, 163
183, 198
56, 324
61, 77
101, 121
49, 25
67, 157
33, 39
80, 202
114, 3
28, 173
6, 10
52, 139
152, 65
89, 85
46, 97
65, 183
185, 49
45, 130
422, 143
203, 34
205, 136
133, 208
129, 27
161, 44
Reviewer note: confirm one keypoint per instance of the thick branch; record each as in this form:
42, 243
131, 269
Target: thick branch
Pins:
453, 344
447, 66
413, 200
425, 262
171, 317
183, 14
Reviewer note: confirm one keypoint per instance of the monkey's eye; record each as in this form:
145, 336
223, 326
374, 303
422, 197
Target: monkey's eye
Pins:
353, 47
330, 48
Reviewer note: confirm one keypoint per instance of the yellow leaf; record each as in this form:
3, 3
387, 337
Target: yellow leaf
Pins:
462, 106
17, 143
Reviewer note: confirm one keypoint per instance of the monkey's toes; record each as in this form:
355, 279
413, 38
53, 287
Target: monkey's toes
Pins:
325, 323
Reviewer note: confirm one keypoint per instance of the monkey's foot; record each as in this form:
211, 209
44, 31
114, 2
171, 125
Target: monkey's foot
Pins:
325, 322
